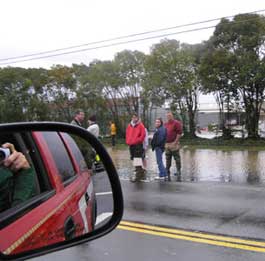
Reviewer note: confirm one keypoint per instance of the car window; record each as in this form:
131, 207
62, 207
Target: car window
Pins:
20, 189
60, 155
33, 155
75, 150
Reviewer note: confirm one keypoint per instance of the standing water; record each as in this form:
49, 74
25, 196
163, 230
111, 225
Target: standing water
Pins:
236, 166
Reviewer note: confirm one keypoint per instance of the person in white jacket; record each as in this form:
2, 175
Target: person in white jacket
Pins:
93, 126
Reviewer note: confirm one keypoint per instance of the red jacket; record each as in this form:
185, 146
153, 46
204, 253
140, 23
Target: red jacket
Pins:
135, 134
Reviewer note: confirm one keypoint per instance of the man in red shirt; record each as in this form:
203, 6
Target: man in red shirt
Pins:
135, 135
172, 146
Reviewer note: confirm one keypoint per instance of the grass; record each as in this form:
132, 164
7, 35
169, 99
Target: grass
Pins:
216, 143
224, 144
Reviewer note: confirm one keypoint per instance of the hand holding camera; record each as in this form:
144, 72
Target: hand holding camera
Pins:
12, 159
4, 154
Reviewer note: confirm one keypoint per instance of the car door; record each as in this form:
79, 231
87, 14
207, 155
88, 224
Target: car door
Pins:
84, 205
72, 179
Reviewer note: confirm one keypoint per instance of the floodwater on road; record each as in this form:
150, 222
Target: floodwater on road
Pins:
236, 166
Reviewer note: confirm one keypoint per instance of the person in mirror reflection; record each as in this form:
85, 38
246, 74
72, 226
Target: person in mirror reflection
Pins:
158, 145
79, 117
174, 132
17, 179
135, 134
93, 126
113, 133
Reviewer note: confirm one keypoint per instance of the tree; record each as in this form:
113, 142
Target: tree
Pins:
100, 87
37, 109
172, 70
18, 93
216, 78
238, 64
130, 65
89, 91
59, 92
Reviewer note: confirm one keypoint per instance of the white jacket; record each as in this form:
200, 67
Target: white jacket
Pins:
94, 129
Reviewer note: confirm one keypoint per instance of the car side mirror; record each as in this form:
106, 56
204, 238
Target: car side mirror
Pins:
58, 188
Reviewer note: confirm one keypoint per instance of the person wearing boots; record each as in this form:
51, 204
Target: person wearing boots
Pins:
174, 132
135, 135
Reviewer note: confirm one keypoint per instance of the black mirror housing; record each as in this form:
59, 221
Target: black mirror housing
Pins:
111, 173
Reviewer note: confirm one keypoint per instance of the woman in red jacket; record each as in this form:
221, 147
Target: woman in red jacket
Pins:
135, 135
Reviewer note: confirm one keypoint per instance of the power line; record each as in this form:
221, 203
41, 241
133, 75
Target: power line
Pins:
114, 39
109, 45
120, 43
123, 37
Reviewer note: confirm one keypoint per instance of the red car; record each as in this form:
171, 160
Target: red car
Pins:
64, 205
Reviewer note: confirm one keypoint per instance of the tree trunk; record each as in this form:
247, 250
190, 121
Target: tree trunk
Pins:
227, 133
192, 124
252, 123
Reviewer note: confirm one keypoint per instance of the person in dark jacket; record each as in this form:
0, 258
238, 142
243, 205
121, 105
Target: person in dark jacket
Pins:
79, 117
17, 179
158, 145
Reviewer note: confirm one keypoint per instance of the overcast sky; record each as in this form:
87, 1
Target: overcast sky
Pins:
33, 26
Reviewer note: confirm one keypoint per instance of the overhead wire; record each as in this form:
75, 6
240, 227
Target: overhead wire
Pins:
18, 58
107, 45
125, 36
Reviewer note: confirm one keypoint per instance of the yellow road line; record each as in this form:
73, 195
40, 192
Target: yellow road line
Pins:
195, 234
195, 237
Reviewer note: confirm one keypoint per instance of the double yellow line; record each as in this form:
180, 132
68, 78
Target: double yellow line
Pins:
198, 237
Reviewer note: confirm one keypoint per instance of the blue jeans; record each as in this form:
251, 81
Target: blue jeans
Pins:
161, 167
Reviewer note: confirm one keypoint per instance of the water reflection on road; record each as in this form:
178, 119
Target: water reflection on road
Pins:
237, 166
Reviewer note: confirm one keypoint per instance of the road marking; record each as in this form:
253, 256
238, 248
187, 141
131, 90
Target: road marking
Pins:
104, 193
230, 242
103, 216
194, 234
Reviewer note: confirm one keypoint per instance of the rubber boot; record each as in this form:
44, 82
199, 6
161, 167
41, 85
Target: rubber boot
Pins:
168, 176
179, 176
139, 173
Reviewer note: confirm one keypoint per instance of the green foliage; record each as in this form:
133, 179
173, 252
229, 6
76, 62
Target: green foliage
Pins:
18, 94
230, 65
233, 67
226, 144
212, 127
171, 71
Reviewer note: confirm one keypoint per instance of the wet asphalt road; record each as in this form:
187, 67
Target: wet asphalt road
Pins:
216, 208
104, 198
222, 209
121, 245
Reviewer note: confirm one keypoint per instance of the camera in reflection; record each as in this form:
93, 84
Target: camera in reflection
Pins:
4, 154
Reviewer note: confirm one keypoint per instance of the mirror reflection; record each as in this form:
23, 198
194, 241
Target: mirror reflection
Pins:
53, 187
